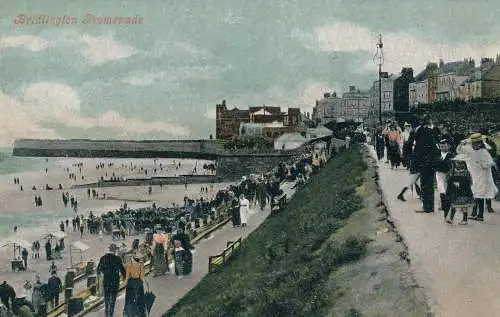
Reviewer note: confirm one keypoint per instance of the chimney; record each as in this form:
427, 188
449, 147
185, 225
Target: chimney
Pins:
317, 102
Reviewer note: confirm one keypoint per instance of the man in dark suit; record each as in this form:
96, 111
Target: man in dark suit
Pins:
426, 155
443, 166
111, 266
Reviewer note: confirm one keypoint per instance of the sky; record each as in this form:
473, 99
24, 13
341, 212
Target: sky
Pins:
161, 79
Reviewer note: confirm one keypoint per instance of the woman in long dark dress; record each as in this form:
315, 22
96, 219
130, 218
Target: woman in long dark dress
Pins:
183, 260
380, 145
393, 147
134, 296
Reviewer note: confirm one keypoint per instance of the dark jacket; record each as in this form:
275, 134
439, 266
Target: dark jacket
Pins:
111, 267
445, 165
55, 285
426, 152
7, 292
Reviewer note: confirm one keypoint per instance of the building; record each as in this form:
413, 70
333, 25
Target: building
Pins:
439, 81
401, 89
418, 93
471, 89
324, 110
271, 130
228, 121
489, 72
354, 105
387, 93
447, 85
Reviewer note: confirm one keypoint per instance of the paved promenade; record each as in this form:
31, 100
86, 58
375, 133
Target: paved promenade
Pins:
458, 266
169, 289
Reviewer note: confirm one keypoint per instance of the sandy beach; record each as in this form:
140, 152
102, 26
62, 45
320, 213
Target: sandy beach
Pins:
17, 207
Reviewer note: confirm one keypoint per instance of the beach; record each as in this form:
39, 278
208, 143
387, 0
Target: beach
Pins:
17, 208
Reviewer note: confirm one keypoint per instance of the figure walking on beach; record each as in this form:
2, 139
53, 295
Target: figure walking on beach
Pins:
111, 266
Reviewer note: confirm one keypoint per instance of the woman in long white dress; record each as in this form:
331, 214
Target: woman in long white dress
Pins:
479, 165
244, 210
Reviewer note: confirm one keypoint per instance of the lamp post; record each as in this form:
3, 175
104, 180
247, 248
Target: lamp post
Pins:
379, 60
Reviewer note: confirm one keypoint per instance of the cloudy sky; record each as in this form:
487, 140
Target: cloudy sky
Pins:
163, 77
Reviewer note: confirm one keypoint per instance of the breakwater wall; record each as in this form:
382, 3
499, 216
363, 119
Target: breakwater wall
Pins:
231, 164
193, 149
155, 181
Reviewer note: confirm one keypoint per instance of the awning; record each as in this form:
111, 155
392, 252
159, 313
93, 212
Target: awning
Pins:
80, 246
20, 242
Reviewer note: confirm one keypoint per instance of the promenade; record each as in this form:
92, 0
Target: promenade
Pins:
169, 289
458, 266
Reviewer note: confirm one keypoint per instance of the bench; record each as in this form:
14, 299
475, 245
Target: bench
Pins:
218, 262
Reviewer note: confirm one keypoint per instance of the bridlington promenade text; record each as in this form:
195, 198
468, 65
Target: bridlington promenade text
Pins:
27, 19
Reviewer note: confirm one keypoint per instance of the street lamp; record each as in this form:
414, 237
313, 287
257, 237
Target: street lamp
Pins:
378, 58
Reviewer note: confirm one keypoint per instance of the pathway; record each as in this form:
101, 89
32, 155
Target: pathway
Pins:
169, 289
458, 266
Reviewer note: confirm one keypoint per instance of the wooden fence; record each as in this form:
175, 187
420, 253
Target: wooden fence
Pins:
217, 262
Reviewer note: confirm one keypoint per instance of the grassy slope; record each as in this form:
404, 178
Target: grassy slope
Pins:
292, 265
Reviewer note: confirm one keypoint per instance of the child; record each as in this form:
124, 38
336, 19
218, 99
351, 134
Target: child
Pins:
458, 190
479, 165
101, 235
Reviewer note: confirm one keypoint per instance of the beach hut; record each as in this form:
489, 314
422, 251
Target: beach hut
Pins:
289, 141
17, 245
79, 248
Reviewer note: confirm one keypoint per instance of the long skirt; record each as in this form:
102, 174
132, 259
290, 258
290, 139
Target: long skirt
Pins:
159, 261
393, 154
134, 299
183, 262
235, 217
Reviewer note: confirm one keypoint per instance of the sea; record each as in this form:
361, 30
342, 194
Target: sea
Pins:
29, 227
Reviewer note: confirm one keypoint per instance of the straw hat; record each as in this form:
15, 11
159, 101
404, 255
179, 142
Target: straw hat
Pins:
112, 247
477, 137
407, 124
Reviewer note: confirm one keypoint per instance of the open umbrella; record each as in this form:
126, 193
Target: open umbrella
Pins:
149, 299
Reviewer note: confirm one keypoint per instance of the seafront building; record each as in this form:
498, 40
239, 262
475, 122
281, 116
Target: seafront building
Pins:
353, 105
264, 121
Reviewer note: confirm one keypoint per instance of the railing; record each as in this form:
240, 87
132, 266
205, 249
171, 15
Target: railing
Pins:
217, 262
204, 227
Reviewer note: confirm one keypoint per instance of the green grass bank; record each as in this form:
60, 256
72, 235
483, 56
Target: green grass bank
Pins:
330, 253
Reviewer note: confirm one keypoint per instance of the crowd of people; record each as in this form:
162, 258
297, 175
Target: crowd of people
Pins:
463, 168
168, 233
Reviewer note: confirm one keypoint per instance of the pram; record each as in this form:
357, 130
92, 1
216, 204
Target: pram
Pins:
459, 195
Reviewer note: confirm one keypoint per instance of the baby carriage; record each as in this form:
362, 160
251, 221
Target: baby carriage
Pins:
459, 195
